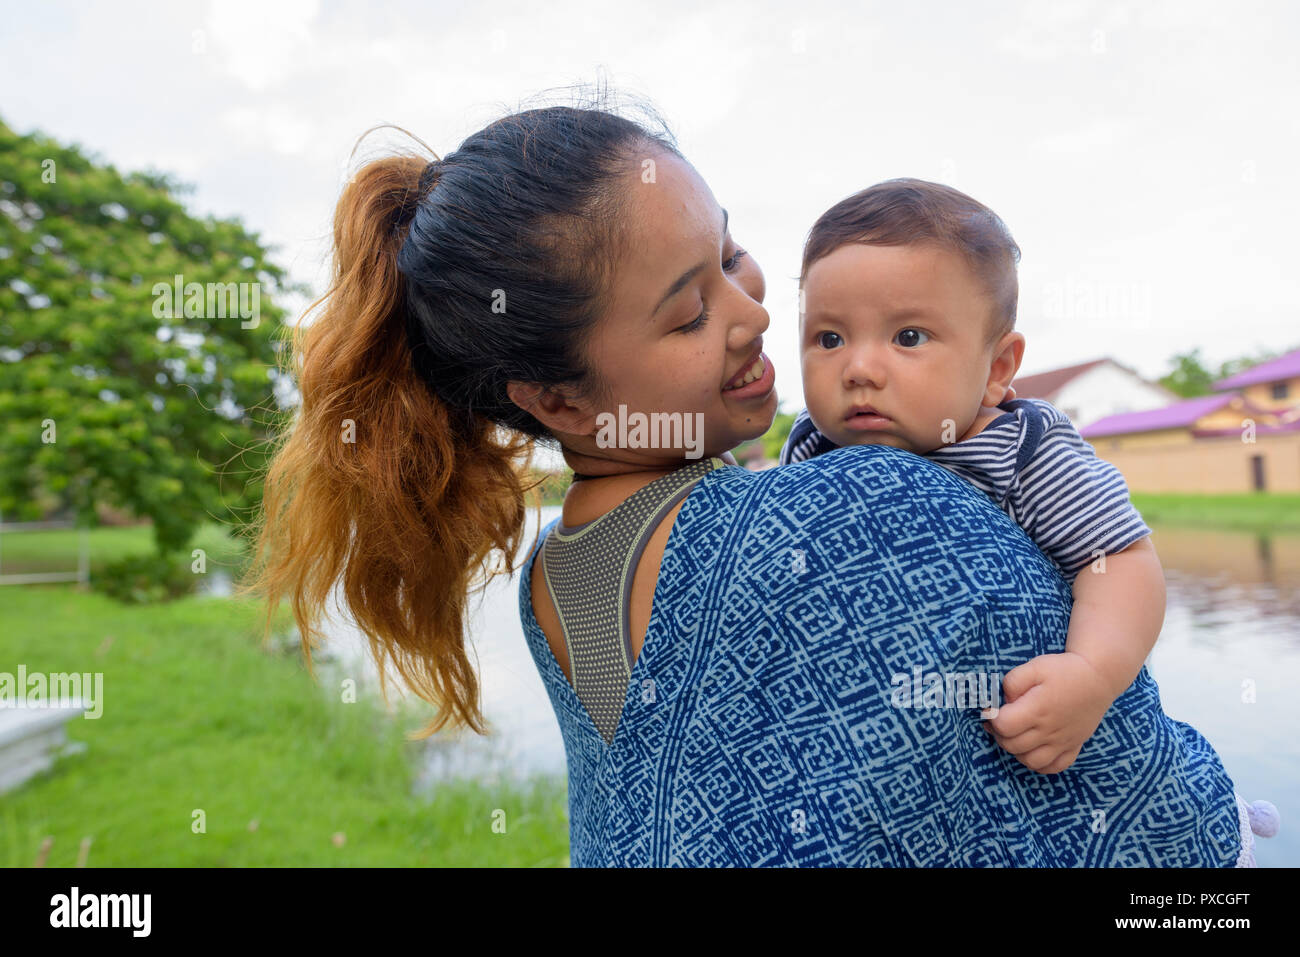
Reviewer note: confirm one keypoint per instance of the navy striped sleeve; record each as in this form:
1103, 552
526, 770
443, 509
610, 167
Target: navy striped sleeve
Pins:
1073, 504
804, 441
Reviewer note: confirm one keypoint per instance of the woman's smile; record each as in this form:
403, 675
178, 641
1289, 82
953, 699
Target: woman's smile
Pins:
758, 387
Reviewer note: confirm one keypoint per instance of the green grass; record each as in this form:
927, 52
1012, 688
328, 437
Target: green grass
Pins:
1250, 512
59, 549
197, 715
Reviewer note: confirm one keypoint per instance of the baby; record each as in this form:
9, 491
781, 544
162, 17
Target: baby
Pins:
907, 338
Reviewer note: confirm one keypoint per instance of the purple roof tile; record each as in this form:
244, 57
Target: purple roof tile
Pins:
1178, 415
1283, 367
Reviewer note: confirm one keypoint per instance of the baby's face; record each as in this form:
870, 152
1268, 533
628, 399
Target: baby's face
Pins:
903, 330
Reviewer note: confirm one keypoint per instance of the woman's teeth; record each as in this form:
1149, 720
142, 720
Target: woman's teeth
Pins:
754, 372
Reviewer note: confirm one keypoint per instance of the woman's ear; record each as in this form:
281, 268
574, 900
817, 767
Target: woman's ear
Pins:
1007, 353
558, 408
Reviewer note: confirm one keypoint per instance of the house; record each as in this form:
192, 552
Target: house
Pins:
1244, 437
1176, 424
1093, 390
1272, 385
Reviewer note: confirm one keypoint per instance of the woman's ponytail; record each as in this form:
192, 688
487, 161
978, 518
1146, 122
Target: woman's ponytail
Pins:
406, 467
380, 485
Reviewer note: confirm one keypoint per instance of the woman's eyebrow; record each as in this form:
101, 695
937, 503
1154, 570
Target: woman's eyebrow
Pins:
687, 276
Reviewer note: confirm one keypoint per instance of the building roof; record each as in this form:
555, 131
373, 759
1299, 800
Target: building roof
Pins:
1280, 428
1045, 385
1179, 415
1283, 367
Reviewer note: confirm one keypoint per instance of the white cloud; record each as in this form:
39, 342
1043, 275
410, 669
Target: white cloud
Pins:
1164, 160
260, 42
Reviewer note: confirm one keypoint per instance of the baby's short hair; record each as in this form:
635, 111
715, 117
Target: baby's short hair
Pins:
900, 212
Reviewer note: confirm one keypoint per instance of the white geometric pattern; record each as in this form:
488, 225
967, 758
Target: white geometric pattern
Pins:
786, 601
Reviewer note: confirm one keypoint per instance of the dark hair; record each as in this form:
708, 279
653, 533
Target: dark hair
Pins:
451, 278
901, 212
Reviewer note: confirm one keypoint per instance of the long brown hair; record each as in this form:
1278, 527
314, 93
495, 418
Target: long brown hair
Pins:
405, 467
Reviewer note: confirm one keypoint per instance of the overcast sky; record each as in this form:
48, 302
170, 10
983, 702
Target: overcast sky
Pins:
1144, 155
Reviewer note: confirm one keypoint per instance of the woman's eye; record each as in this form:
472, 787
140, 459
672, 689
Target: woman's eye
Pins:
729, 265
911, 337
821, 339
697, 324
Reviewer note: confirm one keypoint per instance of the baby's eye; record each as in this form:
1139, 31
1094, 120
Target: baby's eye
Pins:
911, 338
821, 339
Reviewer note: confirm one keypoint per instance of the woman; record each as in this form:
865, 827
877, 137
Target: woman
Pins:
722, 648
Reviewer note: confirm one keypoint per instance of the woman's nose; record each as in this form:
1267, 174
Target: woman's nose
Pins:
750, 320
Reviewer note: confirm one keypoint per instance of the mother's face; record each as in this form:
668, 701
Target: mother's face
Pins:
685, 318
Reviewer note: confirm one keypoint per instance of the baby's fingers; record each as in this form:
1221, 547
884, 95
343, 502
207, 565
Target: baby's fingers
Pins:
1042, 760
1063, 762
1012, 719
1022, 743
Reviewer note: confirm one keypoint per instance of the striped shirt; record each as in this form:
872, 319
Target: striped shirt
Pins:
1034, 466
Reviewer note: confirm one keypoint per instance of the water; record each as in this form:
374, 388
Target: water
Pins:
525, 738
1227, 662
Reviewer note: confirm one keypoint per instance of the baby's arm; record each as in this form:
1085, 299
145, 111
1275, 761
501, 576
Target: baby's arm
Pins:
1055, 702
1118, 611
1075, 506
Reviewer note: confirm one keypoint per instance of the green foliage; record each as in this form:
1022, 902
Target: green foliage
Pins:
1189, 376
145, 579
108, 394
550, 486
775, 436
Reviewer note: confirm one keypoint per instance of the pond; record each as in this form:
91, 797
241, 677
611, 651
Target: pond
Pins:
1227, 662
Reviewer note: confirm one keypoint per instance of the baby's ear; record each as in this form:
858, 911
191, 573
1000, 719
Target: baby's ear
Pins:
1007, 353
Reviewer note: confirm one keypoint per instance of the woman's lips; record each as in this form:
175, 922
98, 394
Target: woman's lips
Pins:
760, 386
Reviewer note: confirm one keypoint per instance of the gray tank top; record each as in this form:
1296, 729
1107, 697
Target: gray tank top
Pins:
588, 570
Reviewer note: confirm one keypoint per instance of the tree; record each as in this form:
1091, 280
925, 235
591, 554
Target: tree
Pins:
1190, 377
777, 433
137, 345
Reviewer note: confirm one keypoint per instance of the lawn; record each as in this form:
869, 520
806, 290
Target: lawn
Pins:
199, 717
58, 549
1249, 512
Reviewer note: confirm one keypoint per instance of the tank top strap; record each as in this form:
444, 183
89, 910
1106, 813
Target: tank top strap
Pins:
588, 570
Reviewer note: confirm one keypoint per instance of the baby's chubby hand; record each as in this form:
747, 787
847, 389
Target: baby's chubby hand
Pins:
1052, 705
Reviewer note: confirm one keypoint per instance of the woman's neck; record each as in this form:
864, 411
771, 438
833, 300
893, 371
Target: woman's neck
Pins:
592, 467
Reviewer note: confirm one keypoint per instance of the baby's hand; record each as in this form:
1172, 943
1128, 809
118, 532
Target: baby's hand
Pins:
1053, 704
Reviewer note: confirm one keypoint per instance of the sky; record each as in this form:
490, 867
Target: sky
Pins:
1144, 155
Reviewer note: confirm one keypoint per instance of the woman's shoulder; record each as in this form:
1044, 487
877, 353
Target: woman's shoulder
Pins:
867, 474
857, 500
861, 487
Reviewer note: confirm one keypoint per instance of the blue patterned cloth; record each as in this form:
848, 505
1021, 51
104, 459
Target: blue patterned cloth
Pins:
762, 724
